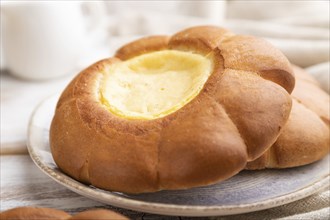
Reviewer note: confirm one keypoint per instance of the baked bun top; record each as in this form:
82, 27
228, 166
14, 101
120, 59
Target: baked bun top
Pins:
40, 213
98, 214
172, 112
33, 213
309, 93
305, 137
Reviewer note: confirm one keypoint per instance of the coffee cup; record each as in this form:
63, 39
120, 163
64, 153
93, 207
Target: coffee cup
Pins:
44, 40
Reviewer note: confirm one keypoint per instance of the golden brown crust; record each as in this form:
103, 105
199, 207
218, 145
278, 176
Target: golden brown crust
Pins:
38, 213
308, 93
201, 38
142, 46
98, 214
302, 75
212, 149
33, 213
203, 142
305, 137
257, 55
252, 115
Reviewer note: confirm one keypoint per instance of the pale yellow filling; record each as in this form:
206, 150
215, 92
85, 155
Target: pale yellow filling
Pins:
154, 85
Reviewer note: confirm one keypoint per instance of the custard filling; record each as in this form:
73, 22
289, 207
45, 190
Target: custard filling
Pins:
154, 85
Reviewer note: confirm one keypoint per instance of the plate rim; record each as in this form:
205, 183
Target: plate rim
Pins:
163, 208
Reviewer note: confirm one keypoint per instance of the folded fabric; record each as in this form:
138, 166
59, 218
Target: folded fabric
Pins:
304, 45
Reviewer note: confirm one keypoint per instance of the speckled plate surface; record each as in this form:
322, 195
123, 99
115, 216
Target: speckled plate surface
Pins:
246, 192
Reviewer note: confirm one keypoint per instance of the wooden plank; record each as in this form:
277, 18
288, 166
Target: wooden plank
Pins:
23, 184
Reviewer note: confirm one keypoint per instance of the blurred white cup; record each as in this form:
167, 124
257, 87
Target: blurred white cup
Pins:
43, 40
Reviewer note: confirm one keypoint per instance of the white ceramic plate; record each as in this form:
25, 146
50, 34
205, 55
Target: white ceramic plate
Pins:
246, 192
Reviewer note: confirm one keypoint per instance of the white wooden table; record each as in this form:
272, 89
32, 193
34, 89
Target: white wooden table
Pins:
23, 184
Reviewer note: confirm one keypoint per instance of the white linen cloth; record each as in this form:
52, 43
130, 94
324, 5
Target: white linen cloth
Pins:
299, 28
